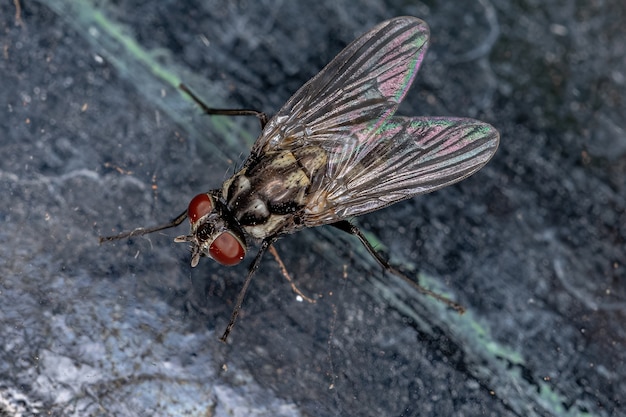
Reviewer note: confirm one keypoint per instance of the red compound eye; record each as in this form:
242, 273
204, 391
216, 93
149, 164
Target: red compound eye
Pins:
227, 249
199, 206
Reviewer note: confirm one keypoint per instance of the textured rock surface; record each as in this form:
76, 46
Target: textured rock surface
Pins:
96, 138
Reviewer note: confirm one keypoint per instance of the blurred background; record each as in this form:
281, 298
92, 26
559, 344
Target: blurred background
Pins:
96, 139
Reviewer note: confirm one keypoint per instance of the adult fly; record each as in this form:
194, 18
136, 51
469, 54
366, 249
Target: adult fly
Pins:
335, 150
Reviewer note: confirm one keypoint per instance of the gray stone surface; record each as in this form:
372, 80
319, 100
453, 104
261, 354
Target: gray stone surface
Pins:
96, 138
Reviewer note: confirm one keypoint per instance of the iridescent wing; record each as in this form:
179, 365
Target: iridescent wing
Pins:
351, 97
374, 159
410, 156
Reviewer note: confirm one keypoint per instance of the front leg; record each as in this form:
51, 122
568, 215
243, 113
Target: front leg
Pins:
267, 242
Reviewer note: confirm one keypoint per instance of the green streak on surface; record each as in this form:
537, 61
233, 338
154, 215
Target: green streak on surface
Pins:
134, 49
493, 363
156, 79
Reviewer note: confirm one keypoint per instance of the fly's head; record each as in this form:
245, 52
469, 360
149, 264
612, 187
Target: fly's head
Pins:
214, 232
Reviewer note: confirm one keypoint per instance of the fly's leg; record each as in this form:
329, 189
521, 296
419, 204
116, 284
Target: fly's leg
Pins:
144, 231
285, 273
353, 230
267, 242
224, 112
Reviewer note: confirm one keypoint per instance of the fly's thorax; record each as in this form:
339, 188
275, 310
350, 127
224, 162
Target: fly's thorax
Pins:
268, 195
214, 231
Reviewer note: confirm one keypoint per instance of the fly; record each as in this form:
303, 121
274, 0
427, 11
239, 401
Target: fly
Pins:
334, 151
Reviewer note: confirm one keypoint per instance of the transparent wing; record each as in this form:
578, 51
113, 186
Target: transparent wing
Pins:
351, 97
374, 159
410, 156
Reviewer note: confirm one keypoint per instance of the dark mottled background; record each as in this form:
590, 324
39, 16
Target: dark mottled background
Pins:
96, 139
